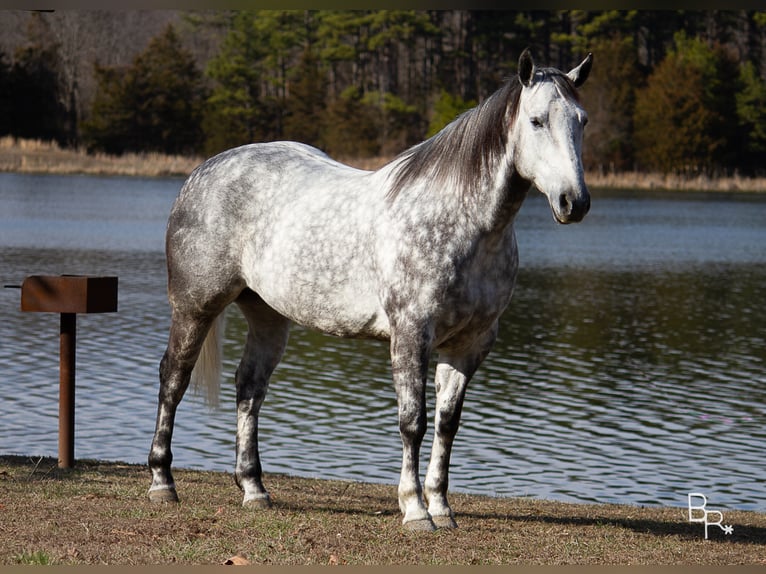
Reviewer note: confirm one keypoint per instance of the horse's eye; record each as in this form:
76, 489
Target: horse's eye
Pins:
584, 122
537, 122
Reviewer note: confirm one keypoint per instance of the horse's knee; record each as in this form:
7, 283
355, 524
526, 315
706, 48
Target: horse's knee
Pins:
412, 424
447, 423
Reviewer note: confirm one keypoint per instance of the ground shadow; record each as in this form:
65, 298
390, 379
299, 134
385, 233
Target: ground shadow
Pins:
46, 467
745, 534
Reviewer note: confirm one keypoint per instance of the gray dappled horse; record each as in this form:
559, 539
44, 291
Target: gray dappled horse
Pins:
421, 253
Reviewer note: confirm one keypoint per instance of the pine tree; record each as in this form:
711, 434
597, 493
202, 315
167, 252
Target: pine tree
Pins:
683, 116
153, 105
751, 113
306, 104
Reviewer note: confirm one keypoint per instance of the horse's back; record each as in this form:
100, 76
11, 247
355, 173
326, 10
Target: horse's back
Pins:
256, 172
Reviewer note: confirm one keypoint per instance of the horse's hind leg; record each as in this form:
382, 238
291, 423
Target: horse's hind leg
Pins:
266, 341
187, 333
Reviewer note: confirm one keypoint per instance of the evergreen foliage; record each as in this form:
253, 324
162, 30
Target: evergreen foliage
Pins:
447, 107
673, 91
751, 114
155, 104
685, 119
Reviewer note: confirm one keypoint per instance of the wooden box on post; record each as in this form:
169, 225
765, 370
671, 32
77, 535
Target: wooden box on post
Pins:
68, 295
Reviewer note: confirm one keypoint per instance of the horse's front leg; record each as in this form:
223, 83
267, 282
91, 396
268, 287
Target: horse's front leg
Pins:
451, 381
410, 354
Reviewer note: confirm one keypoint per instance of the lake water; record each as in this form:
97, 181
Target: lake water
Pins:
630, 366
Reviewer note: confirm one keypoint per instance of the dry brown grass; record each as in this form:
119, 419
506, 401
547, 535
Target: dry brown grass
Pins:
97, 513
637, 180
35, 156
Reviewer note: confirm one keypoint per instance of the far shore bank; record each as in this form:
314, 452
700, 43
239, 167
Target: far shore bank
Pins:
39, 157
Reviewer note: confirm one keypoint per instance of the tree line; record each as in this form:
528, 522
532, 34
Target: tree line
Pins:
670, 91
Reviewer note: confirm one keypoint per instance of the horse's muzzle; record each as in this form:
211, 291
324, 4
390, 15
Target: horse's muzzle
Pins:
572, 209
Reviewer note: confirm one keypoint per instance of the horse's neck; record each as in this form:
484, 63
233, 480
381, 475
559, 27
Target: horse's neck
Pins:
488, 208
495, 205
511, 196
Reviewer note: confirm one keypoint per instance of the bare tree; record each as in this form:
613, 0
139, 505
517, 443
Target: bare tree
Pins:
86, 37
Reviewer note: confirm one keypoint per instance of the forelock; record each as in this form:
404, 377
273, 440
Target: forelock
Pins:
563, 83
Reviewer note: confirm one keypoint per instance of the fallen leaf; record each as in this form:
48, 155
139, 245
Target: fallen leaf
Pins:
333, 561
236, 560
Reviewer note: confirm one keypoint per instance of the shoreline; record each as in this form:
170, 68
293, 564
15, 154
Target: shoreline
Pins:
98, 513
38, 157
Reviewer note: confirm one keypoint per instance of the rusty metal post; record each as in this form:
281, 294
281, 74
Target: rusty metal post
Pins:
67, 352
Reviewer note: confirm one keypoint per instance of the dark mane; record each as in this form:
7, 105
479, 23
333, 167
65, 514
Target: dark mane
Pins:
465, 149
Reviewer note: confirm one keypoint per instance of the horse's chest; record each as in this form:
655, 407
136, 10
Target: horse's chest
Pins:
479, 291
460, 287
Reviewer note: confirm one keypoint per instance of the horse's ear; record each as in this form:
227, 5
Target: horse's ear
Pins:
579, 74
526, 68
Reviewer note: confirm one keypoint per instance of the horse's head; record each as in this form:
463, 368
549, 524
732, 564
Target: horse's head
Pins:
548, 136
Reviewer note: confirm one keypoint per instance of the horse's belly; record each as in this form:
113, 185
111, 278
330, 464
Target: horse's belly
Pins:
341, 316
320, 296
351, 320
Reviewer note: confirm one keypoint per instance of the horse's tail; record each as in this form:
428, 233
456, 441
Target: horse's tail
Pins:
206, 375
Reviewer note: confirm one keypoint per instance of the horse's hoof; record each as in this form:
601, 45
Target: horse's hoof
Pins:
257, 503
424, 525
444, 522
163, 495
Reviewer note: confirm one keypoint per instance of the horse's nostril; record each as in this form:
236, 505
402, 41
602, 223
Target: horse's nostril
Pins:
572, 208
580, 208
